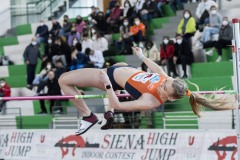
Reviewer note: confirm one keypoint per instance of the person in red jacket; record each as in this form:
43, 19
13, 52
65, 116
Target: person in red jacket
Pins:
166, 55
5, 91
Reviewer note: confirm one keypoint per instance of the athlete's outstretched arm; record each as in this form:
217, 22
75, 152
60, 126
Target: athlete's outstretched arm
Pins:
151, 65
139, 104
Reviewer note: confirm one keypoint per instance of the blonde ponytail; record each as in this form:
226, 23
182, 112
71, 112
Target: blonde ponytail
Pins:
223, 103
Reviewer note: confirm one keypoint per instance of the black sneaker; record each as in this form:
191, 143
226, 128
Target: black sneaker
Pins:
108, 120
184, 76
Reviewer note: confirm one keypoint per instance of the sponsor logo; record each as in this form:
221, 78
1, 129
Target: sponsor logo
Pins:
224, 146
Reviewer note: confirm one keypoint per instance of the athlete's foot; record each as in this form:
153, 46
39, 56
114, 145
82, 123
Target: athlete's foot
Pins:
86, 123
108, 120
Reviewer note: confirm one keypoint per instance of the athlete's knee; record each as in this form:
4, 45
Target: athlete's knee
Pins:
62, 79
120, 64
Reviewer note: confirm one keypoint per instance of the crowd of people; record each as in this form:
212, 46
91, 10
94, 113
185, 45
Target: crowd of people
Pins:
81, 43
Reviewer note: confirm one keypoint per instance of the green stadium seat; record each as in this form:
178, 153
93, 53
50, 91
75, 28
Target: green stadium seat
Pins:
6, 41
167, 10
226, 55
24, 29
15, 70
34, 122
17, 81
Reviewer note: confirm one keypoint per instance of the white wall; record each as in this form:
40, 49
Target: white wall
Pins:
5, 15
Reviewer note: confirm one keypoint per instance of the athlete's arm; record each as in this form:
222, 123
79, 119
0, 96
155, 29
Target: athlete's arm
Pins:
151, 65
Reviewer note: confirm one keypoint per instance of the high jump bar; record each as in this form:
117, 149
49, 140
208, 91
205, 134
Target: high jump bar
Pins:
58, 97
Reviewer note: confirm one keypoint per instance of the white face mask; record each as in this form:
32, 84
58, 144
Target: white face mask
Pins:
137, 22
125, 23
41, 24
179, 41
49, 66
93, 31
186, 15
3, 84
165, 41
213, 11
49, 41
75, 42
127, 5
89, 18
34, 43
225, 23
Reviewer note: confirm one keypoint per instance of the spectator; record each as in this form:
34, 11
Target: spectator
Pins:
137, 32
60, 69
138, 6
166, 56
42, 32
202, 11
159, 4
102, 25
99, 43
53, 89
215, 22
176, 5
126, 5
42, 76
79, 59
95, 57
55, 29
123, 44
150, 51
225, 39
93, 12
65, 30
90, 22
80, 24
74, 34
147, 11
86, 42
47, 57
5, 91
31, 55
182, 54
58, 52
114, 17
187, 26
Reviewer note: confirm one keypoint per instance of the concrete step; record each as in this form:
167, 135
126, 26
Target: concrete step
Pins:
25, 39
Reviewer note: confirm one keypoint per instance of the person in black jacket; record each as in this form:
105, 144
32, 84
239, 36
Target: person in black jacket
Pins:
42, 32
182, 54
53, 89
55, 28
31, 55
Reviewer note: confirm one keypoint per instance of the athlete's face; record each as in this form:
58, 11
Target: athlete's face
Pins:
166, 89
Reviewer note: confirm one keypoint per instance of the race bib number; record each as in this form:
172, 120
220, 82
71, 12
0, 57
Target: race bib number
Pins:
144, 77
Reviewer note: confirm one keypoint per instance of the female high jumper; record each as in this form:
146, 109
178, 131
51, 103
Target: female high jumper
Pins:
150, 90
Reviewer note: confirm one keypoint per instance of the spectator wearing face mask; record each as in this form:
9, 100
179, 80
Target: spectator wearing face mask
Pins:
147, 12
182, 54
123, 44
102, 25
114, 17
60, 50
187, 26
126, 5
5, 91
65, 30
166, 55
150, 51
215, 22
202, 11
99, 42
55, 28
86, 42
42, 32
47, 57
90, 22
225, 39
72, 35
42, 76
137, 32
31, 55
80, 24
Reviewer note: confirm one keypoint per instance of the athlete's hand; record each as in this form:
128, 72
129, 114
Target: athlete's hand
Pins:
103, 77
138, 52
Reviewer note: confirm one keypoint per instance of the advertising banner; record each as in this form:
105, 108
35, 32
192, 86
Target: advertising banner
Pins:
141, 144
